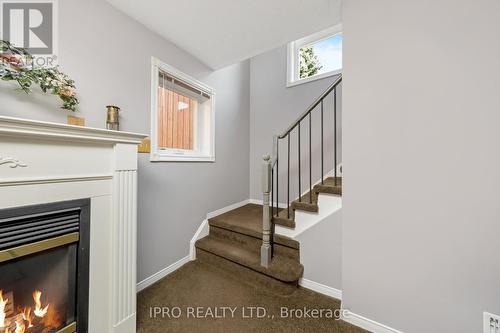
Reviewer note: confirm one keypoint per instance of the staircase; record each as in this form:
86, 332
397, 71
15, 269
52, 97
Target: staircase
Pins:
234, 243
243, 240
307, 202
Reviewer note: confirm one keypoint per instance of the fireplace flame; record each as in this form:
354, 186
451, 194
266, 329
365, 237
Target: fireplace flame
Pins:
20, 328
3, 313
39, 311
27, 317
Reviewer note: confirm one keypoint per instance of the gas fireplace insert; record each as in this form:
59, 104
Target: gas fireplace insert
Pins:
44, 268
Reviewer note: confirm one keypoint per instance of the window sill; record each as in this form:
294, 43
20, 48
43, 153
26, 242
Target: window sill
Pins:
181, 158
312, 78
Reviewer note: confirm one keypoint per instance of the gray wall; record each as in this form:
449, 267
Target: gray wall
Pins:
108, 55
323, 240
176, 197
273, 107
421, 135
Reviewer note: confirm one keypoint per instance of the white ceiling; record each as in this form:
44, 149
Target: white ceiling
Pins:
222, 32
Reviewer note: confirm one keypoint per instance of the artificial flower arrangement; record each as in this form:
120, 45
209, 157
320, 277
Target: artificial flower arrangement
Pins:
16, 64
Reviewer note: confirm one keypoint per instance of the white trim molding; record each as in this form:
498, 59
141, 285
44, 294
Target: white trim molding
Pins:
367, 324
202, 231
161, 274
227, 208
49, 180
292, 76
321, 288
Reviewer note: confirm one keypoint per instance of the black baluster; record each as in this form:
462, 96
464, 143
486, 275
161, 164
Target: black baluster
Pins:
310, 159
335, 135
277, 175
322, 166
300, 174
288, 180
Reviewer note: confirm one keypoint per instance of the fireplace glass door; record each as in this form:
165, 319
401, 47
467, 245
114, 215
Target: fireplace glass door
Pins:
44, 268
38, 292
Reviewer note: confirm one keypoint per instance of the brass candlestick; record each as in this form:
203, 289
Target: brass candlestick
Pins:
112, 119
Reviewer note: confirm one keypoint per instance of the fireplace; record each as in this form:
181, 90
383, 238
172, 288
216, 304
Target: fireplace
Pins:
42, 163
44, 268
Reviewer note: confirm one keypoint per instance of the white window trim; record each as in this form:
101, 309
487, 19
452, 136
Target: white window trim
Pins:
178, 155
292, 75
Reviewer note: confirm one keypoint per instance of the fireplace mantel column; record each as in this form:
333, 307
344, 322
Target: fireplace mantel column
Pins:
125, 238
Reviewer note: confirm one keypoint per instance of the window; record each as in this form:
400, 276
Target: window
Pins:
182, 116
315, 57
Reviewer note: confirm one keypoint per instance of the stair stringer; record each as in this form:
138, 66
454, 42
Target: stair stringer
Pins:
320, 238
328, 204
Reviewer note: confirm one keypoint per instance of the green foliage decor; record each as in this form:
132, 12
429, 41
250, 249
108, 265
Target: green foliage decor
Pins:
16, 64
309, 62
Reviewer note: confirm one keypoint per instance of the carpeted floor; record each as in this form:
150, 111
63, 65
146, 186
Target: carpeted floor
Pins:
197, 293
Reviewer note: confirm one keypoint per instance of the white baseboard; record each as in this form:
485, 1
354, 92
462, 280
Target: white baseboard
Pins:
321, 288
227, 208
367, 324
161, 274
202, 231
259, 202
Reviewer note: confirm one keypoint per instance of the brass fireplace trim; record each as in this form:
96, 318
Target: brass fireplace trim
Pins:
71, 328
24, 250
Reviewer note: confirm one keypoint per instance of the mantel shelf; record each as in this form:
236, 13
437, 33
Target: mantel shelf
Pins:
18, 127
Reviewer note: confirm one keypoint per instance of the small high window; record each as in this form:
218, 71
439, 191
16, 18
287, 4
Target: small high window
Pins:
182, 116
315, 57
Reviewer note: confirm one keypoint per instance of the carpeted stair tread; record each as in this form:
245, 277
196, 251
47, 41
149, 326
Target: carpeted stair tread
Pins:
281, 268
283, 219
309, 203
246, 275
329, 186
306, 203
248, 220
251, 243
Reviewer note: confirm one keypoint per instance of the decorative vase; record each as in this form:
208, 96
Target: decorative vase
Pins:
112, 119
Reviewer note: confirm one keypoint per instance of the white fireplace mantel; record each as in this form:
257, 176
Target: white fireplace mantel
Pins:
43, 162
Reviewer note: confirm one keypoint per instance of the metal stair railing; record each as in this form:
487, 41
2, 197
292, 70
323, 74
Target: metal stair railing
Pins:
270, 168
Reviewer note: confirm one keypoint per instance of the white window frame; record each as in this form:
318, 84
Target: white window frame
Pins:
179, 155
293, 61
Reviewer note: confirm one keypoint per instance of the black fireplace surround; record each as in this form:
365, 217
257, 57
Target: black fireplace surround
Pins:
44, 267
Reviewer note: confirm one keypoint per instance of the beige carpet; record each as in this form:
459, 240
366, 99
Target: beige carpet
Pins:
197, 290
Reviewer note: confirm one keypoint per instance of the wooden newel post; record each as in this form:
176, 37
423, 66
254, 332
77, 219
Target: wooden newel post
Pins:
265, 250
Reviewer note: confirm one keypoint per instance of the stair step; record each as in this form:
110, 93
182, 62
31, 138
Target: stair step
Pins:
281, 267
309, 203
329, 186
247, 220
246, 275
305, 204
283, 219
251, 243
